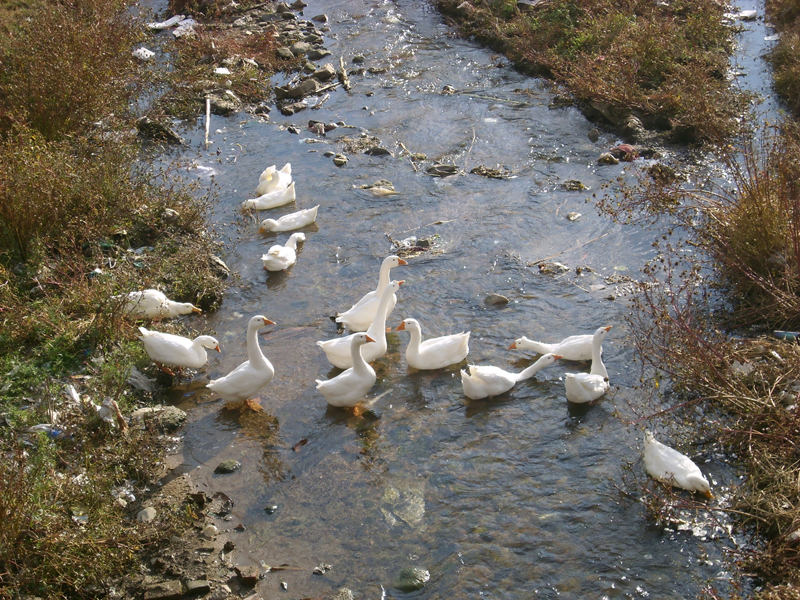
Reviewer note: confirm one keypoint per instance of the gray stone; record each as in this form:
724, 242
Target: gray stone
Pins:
324, 73
146, 515
309, 86
340, 160
318, 53
165, 590
359, 59
495, 300
377, 151
606, 158
197, 587
299, 48
320, 18
285, 53
222, 107
412, 579
228, 466
290, 109
593, 135
343, 594
158, 130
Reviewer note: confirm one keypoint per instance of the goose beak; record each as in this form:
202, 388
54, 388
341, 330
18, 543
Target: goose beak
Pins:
557, 356
513, 346
268, 322
369, 339
217, 348
401, 327
401, 282
708, 495
197, 310
608, 328
400, 261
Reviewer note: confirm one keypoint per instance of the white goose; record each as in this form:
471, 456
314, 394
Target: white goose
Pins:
485, 381
153, 304
294, 220
272, 199
574, 347
279, 258
350, 386
670, 466
587, 387
337, 350
168, 350
249, 377
434, 353
360, 315
271, 179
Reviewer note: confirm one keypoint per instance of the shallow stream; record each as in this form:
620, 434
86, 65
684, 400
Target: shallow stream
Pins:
515, 497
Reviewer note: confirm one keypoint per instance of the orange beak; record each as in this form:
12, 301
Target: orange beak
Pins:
513, 346
217, 348
401, 282
557, 356
268, 322
401, 327
369, 339
608, 328
196, 310
400, 261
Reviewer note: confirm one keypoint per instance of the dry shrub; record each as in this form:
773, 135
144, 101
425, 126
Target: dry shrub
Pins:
68, 66
785, 54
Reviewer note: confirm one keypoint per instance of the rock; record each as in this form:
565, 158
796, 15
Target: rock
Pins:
329, 154
625, 152
320, 18
220, 266
146, 515
412, 579
448, 89
495, 300
359, 59
140, 381
288, 16
169, 418
210, 532
441, 170
248, 575
793, 537
632, 128
290, 109
293, 129
157, 130
573, 185
343, 594
606, 158
298, 5
300, 48
377, 151
404, 503
284, 53
340, 160
304, 88
318, 53
165, 590
324, 73
465, 9
573, 216
222, 593
489, 172
593, 135
197, 587
224, 106
228, 466
662, 173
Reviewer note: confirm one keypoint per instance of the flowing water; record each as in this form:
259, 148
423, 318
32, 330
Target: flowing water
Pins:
513, 497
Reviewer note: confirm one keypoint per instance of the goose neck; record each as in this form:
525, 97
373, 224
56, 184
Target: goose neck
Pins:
360, 366
254, 354
598, 368
378, 325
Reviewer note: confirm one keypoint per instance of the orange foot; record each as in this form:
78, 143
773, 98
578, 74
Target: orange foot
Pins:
166, 369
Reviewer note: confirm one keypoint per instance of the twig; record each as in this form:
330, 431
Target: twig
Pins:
533, 264
342, 74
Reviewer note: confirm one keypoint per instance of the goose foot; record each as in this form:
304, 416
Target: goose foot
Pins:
166, 369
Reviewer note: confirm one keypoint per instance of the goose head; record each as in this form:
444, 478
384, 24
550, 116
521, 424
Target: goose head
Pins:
206, 341
267, 225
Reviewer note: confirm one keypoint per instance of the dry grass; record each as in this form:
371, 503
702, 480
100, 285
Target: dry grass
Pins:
665, 62
785, 56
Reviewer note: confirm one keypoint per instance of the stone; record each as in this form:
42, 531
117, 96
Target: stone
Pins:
308, 86
223, 107
284, 53
300, 48
324, 73
318, 53
593, 135
228, 466
377, 151
340, 160
210, 531
290, 109
197, 587
157, 130
146, 515
320, 18
359, 59
169, 418
495, 300
165, 590
248, 575
343, 594
606, 158
412, 579
632, 128
221, 594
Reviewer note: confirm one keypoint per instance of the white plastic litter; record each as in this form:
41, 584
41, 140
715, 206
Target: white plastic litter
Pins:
222, 71
167, 24
143, 53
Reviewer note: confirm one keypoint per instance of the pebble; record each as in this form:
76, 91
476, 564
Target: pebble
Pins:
606, 158
146, 515
228, 466
209, 531
495, 300
340, 160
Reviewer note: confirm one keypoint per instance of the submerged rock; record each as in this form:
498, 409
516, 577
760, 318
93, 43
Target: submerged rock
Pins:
412, 579
495, 300
228, 466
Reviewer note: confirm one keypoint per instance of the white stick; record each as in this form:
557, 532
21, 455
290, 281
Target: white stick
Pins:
208, 119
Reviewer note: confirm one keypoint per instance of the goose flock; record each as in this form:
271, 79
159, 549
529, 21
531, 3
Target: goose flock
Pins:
366, 319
